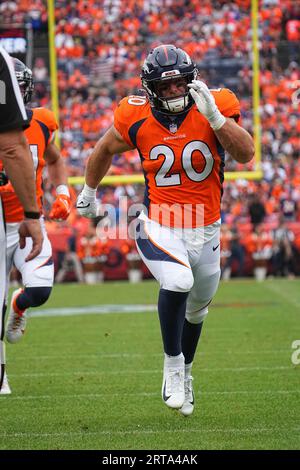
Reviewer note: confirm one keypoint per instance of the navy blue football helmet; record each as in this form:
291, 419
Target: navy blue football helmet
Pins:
167, 62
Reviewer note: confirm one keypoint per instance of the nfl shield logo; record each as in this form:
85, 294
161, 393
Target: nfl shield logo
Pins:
173, 127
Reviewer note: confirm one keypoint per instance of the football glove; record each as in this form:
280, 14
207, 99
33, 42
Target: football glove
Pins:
61, 208
87, 204
206, 104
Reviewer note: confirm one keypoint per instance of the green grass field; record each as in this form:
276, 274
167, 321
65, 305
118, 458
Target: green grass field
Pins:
92, 381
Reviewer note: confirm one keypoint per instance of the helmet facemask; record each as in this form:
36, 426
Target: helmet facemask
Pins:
170, 104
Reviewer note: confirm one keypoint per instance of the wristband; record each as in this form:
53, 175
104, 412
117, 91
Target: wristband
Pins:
217, 120
62, 189
89, 192
31, 215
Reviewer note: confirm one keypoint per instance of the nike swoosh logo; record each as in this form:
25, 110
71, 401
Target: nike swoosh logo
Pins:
215, 247
165, 397
81, 206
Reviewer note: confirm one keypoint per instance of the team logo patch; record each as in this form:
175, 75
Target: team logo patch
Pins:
173, 127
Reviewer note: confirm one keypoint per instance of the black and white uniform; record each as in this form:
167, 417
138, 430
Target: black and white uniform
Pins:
12, 116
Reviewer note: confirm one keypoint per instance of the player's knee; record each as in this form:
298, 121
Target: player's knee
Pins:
180, 283
38, 295
197, 316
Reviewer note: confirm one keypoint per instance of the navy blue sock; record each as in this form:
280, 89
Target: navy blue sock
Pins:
190, 338
33, 297
171, 310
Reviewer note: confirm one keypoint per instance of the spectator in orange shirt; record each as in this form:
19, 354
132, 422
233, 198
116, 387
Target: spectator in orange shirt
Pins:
260, 244
134, 262
91, 252
78, 80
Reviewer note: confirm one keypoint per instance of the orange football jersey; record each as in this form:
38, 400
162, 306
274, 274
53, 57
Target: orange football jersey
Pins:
182, 160
38, 134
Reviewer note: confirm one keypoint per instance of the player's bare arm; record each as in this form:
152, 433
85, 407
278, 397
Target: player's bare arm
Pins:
101, 157
97, 167
236, 141
18, 165
55, 165
61, 207
19, 168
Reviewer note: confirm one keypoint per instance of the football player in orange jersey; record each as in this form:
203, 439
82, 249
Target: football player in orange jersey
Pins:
37, 274
181, 130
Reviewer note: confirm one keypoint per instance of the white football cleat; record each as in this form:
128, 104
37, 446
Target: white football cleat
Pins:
189, 399
16, 323
173, 386
5, 389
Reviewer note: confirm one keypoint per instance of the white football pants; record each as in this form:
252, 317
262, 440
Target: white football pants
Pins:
183, 260
38, 272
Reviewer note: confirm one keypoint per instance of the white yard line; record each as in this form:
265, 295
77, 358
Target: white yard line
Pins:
284, 295
146, 371
92, 310
93, 396
219, 352
151, 431
104, 309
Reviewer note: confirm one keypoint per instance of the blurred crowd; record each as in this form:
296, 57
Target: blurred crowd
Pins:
24, 12
100, 46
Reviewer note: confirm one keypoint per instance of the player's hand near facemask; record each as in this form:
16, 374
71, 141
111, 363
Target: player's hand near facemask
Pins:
206, 104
